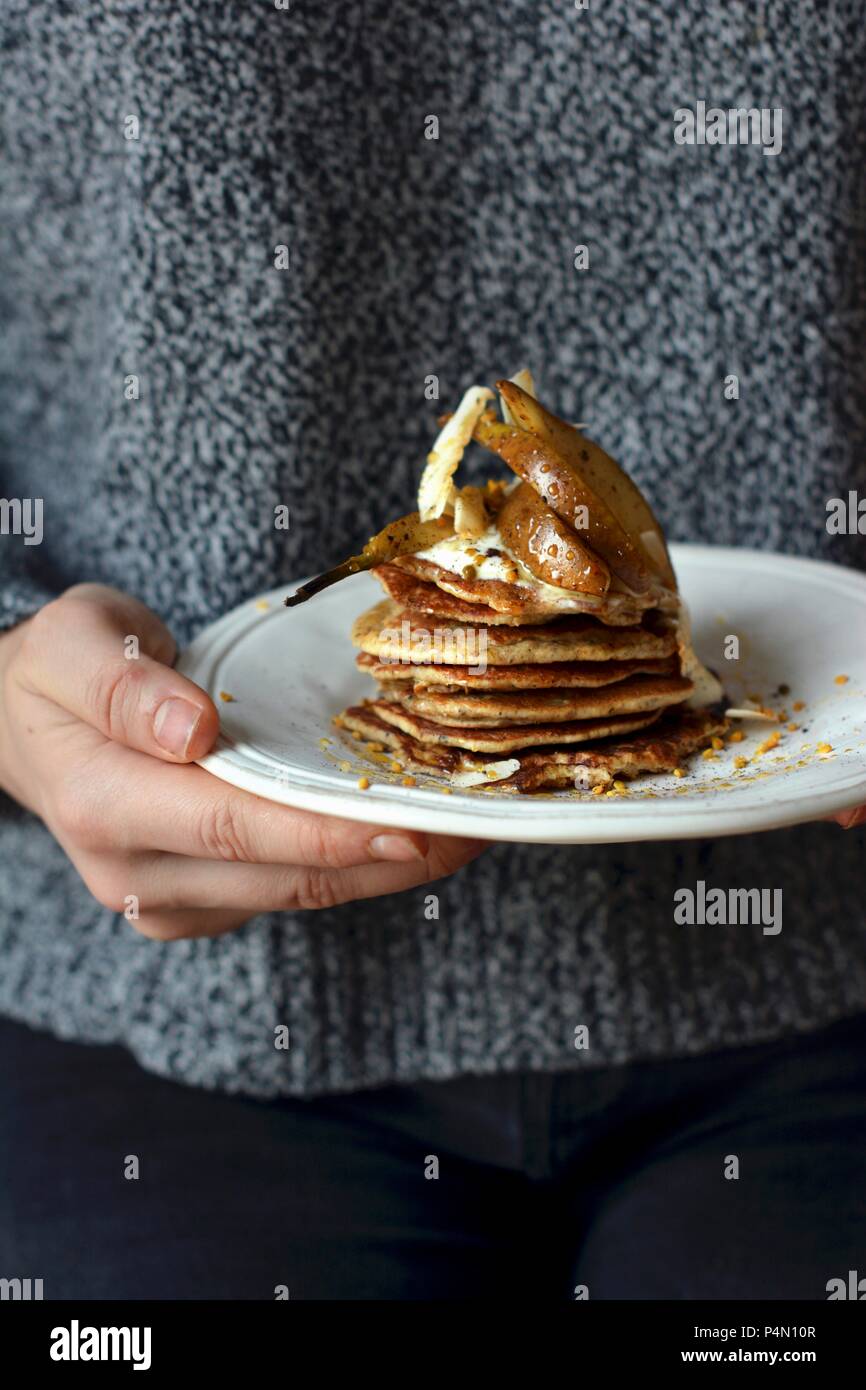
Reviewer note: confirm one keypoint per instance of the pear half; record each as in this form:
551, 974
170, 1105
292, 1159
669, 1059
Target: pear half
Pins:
599, 472
547, 547
566, 493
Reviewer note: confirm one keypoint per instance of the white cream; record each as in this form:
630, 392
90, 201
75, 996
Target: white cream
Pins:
708, 689
452, 555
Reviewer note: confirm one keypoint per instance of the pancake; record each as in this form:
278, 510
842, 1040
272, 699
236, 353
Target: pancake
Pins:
506, 739
562, 675
430, 757
496, 709
460, 644
671, 739
533, 602
424, 597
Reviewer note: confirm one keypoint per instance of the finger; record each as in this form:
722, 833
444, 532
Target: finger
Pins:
174, 883
106, 658
849, 819
189, 923
120, 802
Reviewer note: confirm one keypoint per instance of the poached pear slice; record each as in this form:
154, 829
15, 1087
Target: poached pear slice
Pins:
567, 493
547, 547
404, 536
599, 471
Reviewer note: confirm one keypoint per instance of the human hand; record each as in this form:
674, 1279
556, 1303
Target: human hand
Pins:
102, 748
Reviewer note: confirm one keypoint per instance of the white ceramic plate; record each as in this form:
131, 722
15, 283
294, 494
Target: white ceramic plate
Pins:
800, 623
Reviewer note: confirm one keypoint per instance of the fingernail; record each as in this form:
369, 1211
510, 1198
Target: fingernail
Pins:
174, 724
398, 848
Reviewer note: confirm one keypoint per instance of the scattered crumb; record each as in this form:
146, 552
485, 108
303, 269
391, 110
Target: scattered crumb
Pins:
825, 748
741, 762
324, 743
679, 771
771, 742
793, 728
709, 755
736, 737
363, 783
226, 697
841, 680
396, 767
262, 605
376, 747
597, 789
408, 782
798, 705
345, 767
784, 689
620, 786
717, 743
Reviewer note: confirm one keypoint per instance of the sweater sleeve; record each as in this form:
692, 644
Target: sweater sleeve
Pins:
29, 577
20, 597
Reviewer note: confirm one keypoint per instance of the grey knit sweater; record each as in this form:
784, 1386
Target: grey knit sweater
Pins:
411, 256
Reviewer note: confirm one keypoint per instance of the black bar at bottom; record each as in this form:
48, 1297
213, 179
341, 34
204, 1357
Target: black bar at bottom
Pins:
233, 1339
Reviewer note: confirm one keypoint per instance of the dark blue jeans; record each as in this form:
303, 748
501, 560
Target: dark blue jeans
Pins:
611, 1179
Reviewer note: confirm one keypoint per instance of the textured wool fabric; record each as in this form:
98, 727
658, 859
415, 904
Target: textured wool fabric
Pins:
409, 256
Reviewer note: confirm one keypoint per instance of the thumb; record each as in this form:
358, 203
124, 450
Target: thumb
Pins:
105, 658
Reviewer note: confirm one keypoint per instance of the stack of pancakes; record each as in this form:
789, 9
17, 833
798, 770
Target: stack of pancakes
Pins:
489, 681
